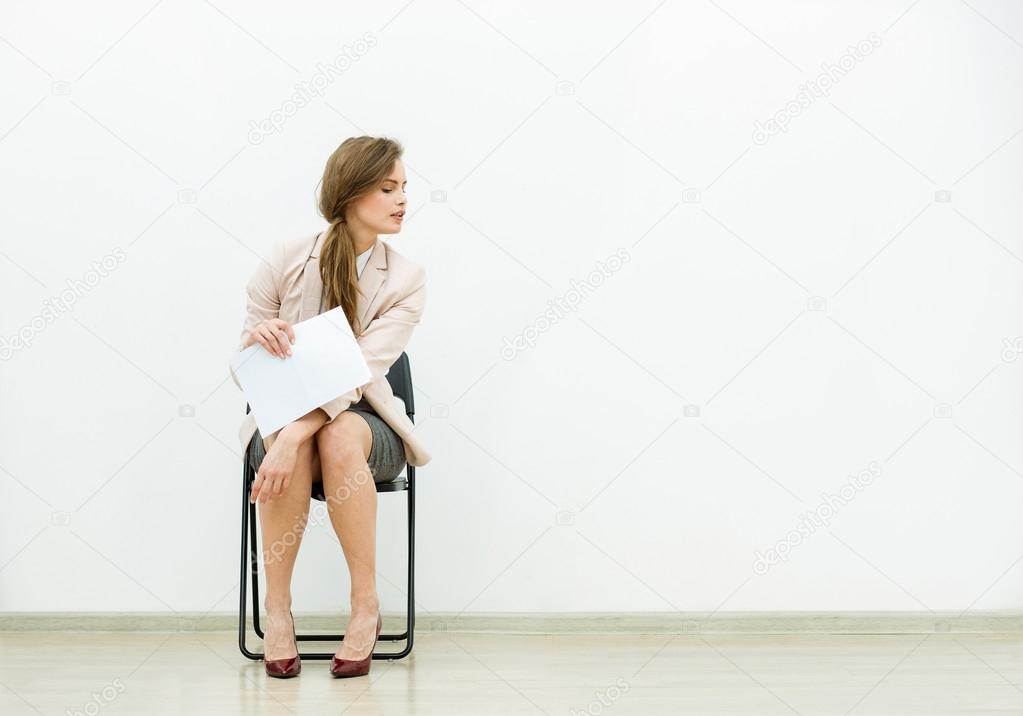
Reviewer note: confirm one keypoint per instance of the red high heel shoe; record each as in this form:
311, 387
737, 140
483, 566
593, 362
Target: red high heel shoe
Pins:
285, 668
343, 668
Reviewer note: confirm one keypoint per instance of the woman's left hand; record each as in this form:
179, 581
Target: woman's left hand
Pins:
275, 471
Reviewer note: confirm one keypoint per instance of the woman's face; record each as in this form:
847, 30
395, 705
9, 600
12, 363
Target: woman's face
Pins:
383, 209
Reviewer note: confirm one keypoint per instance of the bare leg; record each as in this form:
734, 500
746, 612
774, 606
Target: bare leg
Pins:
344, 444
283, 520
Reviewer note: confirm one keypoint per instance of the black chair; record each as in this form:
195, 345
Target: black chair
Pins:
400, 377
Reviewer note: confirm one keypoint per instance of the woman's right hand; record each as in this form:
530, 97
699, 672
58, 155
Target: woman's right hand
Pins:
276, 470
275, 335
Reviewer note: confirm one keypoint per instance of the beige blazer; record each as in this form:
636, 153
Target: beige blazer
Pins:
390, 305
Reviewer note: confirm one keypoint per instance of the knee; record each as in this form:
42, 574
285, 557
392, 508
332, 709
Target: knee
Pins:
344, 438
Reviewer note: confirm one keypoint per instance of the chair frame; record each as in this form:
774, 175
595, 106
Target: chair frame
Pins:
400, 378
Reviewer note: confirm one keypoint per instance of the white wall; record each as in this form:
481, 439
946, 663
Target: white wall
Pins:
791, 312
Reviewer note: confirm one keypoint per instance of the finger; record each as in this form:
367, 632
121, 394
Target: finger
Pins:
261, 338
261, 493
267, 492
262, 341
274, 340
289, 334
283, 342
256, 484
290, 330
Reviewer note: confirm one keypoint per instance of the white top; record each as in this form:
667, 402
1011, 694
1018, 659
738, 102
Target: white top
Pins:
362, 259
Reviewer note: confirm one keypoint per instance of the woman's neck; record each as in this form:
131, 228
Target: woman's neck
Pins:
362, 240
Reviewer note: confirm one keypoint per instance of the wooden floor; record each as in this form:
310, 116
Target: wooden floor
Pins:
460, 673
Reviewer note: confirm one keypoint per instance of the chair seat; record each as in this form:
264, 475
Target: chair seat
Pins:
397, 485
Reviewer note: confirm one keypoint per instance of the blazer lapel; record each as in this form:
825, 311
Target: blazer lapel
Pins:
370, 281
312, 284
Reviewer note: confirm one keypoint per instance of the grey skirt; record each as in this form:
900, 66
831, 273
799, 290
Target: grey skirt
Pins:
386, 457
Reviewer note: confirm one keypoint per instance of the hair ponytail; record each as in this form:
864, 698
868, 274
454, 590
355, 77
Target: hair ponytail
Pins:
338, 272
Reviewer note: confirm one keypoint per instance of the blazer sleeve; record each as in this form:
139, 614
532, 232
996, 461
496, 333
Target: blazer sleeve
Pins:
263, 298
384, 340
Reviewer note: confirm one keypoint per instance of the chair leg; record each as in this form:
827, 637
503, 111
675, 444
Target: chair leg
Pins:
411, 557
245, 557
410, 619
250, 571
254, 569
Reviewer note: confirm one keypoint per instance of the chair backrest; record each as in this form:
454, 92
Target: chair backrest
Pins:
399, 375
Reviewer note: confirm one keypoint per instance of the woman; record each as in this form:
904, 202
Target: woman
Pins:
362, 434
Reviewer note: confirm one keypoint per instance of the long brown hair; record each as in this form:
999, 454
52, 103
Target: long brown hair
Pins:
356, 168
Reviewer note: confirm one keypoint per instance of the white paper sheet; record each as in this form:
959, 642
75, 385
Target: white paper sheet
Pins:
326, 362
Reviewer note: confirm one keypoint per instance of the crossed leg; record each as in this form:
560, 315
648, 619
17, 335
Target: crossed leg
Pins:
283, 521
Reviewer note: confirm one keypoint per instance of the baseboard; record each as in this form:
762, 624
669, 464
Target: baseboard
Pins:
1009, 621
